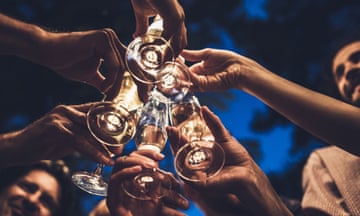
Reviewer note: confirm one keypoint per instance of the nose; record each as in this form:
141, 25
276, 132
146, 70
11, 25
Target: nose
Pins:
353, 75
32, 202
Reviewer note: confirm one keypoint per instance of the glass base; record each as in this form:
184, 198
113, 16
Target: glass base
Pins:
91, 183
150, 184
199, 160
145, 57
111, 124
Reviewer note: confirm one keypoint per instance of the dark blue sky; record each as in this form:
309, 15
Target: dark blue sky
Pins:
275, 144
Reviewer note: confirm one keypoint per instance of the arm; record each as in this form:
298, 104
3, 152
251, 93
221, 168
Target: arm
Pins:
240, 188
121, 204
58, 133
331, 120
170, 11
74, 55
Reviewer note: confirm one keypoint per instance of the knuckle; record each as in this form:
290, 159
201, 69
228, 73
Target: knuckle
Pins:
60, 109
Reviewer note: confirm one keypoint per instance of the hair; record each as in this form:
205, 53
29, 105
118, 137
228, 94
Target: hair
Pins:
56, 168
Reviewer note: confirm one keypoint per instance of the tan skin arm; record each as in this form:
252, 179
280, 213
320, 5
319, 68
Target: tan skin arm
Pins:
240, 188
172, 14
331, 120
58, 133
73, 55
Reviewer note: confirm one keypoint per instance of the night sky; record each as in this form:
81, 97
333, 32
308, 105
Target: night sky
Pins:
295, 39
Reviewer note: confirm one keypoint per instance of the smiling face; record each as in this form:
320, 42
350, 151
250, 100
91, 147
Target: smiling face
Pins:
35, 194
346, 71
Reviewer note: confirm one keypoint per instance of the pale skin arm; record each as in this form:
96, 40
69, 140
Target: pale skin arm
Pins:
73, 55
331, 120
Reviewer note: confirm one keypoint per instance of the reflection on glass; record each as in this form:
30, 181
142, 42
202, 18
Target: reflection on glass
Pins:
201, 157
151, 135
112, 124
146, 55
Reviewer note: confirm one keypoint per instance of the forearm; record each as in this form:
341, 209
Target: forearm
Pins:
9, 154
333, 121
268, 203
20, 39
261, 197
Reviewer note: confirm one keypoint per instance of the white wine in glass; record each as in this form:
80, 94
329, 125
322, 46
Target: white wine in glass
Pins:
200, 158
113, 125
150, 183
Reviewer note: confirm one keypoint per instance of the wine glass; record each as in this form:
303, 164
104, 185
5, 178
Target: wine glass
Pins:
174, 81
201, 157
150, 60
145, 57
150, 183
113, 124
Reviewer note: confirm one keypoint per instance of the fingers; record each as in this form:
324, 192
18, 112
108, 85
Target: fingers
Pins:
143, 90
170, 211
178, 36
83, 140
193, 55
84, 108
97, 79
157, 156
141, 24
199, 83
90, 148
176, 141
112, 60
135, 159
174, 199
215, 125
178, 40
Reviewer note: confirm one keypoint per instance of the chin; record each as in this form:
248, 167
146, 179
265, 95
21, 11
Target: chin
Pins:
356, 101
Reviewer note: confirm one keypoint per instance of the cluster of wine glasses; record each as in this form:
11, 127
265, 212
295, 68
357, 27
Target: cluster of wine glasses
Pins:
150, 60
113, 124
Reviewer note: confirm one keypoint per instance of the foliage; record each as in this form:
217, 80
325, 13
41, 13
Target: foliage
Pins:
295, 39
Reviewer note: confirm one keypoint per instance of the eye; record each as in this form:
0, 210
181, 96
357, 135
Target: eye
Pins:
28, 187
339, 71
355, 57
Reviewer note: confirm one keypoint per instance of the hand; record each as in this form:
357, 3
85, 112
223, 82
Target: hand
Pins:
217, 70
60, 132
173, 20
79, 55
119, 203
241, 188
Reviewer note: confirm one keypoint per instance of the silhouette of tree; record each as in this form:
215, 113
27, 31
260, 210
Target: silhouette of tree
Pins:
295, 39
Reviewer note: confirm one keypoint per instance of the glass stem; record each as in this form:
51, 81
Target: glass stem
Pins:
99, 169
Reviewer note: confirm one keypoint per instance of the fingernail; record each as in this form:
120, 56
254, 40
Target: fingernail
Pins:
151, 163
161, 155
110, 162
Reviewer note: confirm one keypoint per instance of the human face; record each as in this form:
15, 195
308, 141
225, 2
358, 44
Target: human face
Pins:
36, 194
346, 71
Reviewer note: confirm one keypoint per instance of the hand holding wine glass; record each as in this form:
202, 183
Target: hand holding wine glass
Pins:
146, 55
113, 124
240, 180
120, 203
173, 15
151, 135
201, 157
151, 61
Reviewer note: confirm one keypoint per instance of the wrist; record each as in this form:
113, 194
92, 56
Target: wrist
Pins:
36, 46
243, 76
10, 148
19, 38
